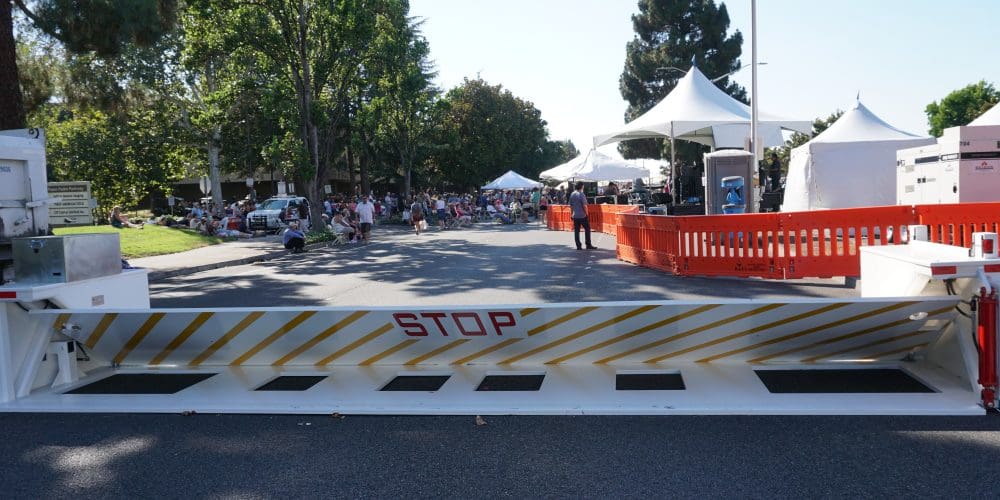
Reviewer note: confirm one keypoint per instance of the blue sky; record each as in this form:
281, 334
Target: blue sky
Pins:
566, 55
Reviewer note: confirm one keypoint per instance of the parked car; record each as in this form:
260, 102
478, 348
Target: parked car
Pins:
274, 214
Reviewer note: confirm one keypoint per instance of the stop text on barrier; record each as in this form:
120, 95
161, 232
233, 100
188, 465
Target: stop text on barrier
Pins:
459, 324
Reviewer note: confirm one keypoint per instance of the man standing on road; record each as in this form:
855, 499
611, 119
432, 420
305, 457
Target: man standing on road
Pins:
366, 216
578, 208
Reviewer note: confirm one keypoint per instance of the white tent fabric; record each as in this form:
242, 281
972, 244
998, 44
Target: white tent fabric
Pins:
595, 166
512, 180
850, 164
696, 110
990, 117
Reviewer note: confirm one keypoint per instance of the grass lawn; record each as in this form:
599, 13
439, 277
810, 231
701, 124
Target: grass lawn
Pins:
153, 240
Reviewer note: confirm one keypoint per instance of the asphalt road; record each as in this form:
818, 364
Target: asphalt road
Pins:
210, 456
489, 264
245, 456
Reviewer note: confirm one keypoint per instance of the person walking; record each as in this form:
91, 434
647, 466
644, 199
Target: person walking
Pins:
416, 216
366, 216
578, 209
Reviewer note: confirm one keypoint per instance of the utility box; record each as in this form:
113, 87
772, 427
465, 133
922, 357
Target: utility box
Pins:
64, 259
962, 167
24, 196
723, 164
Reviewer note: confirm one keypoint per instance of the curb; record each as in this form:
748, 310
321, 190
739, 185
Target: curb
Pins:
155, 276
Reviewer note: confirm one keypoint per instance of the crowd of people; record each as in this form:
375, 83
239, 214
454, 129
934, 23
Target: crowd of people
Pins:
352, 216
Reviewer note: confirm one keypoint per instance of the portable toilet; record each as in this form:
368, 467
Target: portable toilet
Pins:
732, 193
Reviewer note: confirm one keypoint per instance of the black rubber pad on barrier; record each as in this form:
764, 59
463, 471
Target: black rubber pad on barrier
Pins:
142, 383
649, 382
511, 383
822, 381
428, 383
292, 383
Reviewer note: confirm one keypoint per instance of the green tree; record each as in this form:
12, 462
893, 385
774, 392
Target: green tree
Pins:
126, 157
318, 48
961, 106
797, 139
405, 95
673, 34
484, 130
100, 26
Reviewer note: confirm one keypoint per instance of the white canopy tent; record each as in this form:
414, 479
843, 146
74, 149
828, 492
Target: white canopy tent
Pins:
699, 111
990, 117
850, 164
512, 180
595, 166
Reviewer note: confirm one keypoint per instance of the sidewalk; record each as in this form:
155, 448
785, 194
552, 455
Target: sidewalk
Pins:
231, 253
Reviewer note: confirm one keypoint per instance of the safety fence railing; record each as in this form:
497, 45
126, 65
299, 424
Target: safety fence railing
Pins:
784, 245
602, 217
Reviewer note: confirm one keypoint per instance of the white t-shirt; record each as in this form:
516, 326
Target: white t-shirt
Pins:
439, 204
366, 212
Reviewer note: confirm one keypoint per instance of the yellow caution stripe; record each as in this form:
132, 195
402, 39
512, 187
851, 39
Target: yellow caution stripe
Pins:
280, 332
102, 326
586, 331
856, 348
232, 333
751, 331
476, 355
633, 333
140, 334
354, 345
60, 322
325, 334
688, 333
558, 321
447, 347
388, 352
876, 357
809, 331
189, 330
846, 336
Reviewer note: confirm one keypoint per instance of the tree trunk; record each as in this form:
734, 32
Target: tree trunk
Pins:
350, 166
406, 168
214, 149
11, 99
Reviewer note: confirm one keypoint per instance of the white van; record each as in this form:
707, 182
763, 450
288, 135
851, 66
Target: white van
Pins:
274, 214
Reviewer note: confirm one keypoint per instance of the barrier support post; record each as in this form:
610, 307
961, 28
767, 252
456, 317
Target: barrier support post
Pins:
986, 335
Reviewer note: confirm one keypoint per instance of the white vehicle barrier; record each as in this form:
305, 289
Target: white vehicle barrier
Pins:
807, 356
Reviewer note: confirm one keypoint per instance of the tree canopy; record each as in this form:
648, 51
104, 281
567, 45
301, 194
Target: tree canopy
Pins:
961, 106
315, 91
102, 27
670, 35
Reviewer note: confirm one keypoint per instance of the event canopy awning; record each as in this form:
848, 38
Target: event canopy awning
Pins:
512, 180
595, 166
699, 111
990, 117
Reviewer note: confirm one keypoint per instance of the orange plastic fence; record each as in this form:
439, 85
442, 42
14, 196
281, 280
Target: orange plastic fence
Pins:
954, 224
777, 245
602, 217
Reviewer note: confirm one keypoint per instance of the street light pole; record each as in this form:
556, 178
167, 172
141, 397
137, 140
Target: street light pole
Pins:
753, 82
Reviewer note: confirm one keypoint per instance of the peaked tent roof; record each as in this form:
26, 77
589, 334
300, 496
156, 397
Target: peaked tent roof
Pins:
824, 172
859, 124
512, 180
697, 110
595, 166
990, 117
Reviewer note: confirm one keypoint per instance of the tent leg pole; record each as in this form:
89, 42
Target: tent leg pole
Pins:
673, 166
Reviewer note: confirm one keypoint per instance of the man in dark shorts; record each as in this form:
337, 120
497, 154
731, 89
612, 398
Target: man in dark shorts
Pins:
578, 208
416, 215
